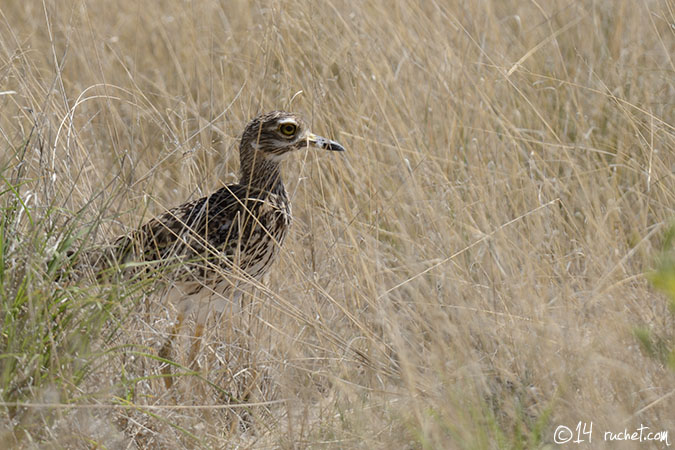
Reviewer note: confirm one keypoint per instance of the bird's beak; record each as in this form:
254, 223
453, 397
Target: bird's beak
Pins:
322, 142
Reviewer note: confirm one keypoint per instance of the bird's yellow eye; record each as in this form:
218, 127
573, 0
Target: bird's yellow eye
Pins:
288, 129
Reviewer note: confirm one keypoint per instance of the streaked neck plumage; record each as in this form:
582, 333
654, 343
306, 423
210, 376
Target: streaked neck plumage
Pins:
259, 171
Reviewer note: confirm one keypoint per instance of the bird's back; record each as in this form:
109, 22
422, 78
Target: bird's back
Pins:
212, 243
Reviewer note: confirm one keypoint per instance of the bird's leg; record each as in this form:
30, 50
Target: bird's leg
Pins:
165, 351
196, 345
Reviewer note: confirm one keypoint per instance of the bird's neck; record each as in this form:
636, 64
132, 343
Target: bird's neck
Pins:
260, 172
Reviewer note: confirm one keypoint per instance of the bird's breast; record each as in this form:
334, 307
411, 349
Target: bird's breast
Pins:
273, 219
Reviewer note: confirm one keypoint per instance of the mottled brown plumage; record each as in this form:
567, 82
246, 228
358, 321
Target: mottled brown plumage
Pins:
206, 250
207, 247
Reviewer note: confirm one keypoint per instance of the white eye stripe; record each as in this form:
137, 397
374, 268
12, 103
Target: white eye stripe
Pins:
287, 122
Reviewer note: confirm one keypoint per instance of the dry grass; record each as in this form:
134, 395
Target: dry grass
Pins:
470, 274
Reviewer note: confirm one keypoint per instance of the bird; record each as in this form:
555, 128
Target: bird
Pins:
204, 252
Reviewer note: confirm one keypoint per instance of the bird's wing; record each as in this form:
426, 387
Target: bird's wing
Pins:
207, 228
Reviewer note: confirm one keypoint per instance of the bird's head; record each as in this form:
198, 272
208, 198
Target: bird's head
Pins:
275, 134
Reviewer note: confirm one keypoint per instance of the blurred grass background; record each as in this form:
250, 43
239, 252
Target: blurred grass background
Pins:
473, 272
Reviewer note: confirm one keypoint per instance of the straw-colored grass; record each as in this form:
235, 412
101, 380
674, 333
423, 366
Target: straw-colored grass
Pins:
471, 273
